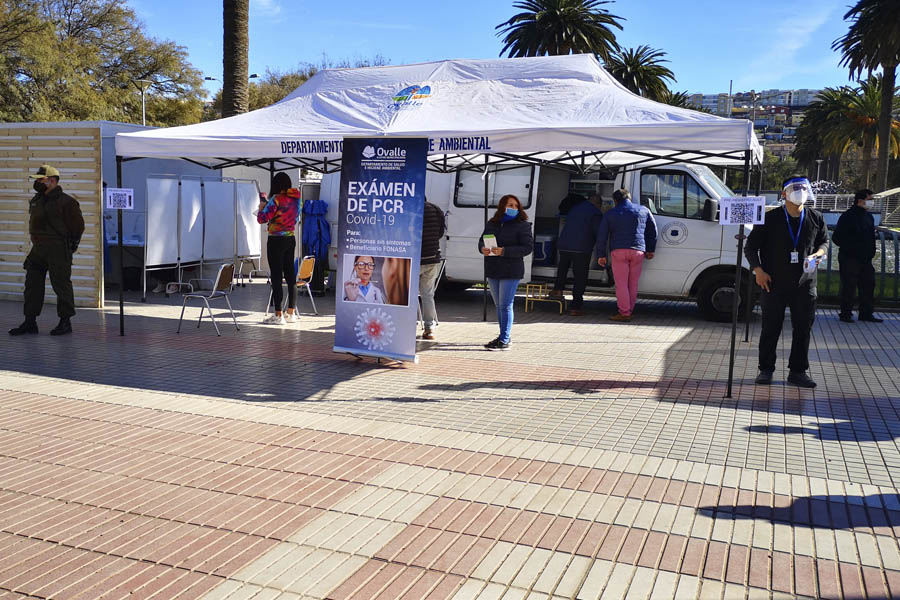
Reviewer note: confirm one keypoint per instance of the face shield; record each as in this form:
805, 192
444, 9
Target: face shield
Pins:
799, 191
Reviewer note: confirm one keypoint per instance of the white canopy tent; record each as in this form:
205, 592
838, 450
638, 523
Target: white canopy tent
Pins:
556, 110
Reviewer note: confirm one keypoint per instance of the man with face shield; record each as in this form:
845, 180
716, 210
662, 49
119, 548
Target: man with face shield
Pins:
783, 254
55, 225
855, 234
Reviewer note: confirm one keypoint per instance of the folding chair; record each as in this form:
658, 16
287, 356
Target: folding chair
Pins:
304, 277
221, 289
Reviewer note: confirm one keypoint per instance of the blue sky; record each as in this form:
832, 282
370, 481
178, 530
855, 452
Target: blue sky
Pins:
760, 45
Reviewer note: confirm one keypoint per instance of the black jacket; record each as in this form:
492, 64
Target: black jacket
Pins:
770, 246
55, 216
433, 228
517, 242
855, 234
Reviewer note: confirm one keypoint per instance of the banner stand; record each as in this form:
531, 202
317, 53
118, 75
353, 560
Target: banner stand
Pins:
380, 211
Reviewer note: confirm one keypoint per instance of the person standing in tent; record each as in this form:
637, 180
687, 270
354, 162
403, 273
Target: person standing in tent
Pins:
631, 232
505, 242
280, 211
575, 244
433, 227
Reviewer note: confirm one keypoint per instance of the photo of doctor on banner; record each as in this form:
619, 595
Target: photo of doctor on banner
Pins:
376, 280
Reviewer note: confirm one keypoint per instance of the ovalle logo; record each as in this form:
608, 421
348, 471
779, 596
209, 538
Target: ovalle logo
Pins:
411, 96
368, 152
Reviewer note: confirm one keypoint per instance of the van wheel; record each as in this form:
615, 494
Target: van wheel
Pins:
445, 286
715, 297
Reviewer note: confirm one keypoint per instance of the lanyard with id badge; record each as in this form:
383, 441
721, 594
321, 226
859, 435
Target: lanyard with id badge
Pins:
795, 237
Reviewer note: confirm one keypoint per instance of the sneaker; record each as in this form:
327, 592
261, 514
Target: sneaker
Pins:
871, 319
620, 317
160, 288
847, 318
291, 317
29, 326
497, 345
64, 327
274, 319
764, 378
428, 335
801, 379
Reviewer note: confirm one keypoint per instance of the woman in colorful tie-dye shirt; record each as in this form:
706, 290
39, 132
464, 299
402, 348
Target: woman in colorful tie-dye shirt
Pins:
280, 211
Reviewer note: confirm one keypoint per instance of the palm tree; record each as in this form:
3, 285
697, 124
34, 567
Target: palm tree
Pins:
641, 71
235, 86
874, 41
842, 118
560, 27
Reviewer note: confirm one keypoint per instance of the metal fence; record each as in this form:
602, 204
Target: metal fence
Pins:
887, 267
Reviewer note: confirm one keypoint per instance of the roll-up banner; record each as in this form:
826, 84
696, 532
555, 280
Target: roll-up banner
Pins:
382, 198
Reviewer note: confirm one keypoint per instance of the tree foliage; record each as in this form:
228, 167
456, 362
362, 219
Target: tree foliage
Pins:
872, 42
556, 27
71, 60
842, 122
642, 71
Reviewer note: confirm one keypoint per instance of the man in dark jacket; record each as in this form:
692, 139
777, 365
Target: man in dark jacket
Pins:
433, 227
56, 225
575, 244
855, 234
783, 254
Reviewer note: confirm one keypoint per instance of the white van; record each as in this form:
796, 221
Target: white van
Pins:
695, 256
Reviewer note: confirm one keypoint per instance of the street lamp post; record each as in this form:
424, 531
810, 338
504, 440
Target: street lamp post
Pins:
143, 103
818, 167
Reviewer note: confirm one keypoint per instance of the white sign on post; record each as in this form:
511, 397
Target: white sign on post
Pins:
742, 210
122, 198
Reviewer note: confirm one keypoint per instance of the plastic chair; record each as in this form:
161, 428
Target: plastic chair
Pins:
221, 289
304, 276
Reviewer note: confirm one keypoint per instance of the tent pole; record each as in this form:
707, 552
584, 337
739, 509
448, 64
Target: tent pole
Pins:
487, 180
750, 283
121, 252
737, 280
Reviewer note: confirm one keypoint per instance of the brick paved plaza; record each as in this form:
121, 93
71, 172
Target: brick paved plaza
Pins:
593, 459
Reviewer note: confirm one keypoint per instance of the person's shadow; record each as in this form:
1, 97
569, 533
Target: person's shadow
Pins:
841, 431
826, 511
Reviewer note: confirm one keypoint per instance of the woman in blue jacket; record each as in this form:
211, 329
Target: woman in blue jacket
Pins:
504, 265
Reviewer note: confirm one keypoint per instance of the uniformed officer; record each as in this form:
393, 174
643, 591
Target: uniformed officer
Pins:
783, 254
55, 225
855, 234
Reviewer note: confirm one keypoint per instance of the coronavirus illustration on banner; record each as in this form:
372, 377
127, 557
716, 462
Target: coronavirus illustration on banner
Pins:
382, 197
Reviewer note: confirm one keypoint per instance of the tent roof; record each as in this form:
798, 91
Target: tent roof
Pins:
559, 106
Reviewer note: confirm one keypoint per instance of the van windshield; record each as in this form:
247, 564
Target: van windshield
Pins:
713, 183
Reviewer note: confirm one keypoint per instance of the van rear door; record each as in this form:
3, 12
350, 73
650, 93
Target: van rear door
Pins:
465, 219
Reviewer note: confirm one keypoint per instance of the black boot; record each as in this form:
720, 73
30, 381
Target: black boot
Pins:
29, 326
64, 327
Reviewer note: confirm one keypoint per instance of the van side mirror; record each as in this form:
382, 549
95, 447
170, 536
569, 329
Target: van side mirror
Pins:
711, 210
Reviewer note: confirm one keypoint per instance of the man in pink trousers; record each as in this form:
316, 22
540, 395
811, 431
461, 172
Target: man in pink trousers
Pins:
630, 231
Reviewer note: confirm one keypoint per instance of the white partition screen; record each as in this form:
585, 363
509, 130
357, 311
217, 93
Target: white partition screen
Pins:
162, 221
248, 239
219, 199
191, 221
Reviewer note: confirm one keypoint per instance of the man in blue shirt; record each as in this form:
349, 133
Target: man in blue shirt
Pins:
631, 232
575, 244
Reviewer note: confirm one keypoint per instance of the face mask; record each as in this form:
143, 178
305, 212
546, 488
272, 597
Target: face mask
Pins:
798, 197
40, 187
869, 203
512, 212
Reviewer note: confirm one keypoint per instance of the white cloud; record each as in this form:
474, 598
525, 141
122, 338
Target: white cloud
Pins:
793, 34
266, 8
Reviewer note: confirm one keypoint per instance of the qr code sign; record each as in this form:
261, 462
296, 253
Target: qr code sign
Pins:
748, 210
120, 198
